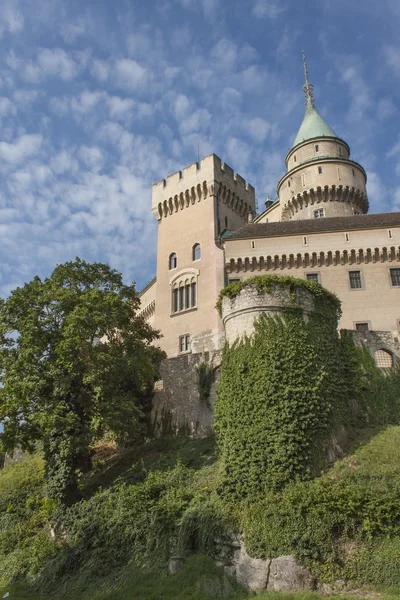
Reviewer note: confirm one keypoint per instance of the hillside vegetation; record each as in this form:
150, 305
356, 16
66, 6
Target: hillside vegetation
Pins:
118, 538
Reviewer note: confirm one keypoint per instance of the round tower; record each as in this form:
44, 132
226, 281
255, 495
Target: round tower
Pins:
321, 180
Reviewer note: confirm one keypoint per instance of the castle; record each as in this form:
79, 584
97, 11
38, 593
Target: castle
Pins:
318, 228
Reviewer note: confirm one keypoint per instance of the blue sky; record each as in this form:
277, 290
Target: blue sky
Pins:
100, 98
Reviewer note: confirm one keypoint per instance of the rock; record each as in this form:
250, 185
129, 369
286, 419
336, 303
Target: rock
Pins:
286, 575
175, 564
251, 573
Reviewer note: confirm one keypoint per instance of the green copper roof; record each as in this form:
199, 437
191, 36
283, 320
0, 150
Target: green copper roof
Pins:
313, 126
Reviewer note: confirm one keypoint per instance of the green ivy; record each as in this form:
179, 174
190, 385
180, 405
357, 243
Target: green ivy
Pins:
264, 283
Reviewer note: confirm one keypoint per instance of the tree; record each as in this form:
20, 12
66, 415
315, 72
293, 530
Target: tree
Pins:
76, 361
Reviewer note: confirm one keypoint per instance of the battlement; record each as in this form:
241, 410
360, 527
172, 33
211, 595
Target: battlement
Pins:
198, 170
200, 179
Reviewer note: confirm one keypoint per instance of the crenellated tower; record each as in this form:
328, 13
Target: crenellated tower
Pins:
194, 208
321, 179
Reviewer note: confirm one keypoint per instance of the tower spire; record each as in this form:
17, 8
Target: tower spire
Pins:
308, 87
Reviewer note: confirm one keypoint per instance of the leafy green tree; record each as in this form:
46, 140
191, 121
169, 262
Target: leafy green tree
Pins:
76, 361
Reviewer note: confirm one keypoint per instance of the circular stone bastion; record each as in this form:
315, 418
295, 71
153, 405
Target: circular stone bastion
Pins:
240, 312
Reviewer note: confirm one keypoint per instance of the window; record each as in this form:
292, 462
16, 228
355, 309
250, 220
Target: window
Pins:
294, 158
346, 237
288, 183
226, 222
316, 148
175, 300
194, 294
340, 150
312, 277
233, 281
173, 261
319, 213
319, 170
305, 241
184, 343
390, 234
395, 277
355, 280
339, 175
363, 327
196, 252
384, 360
184, 297
253, 244
353, 173
303, 179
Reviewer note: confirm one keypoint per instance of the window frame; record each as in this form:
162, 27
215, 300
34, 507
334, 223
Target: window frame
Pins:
172, 256
185, 340
195, 247
391, 278
355, 289
319, 210
367, 323
317, 273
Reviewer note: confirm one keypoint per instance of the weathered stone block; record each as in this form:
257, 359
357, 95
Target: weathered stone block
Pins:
286, 575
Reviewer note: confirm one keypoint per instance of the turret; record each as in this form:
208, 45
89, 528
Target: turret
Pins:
321, 179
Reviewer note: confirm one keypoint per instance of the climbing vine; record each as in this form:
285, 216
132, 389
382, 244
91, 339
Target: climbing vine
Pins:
281, 393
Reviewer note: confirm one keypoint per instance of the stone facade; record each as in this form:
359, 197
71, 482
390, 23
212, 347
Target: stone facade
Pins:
177, 407
240, 313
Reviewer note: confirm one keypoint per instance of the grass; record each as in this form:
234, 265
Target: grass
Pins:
376, 462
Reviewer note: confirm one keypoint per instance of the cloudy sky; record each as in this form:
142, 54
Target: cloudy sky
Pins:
100, 98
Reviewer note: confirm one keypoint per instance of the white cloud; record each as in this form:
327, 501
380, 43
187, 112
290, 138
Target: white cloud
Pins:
360, 97
392, 57
257, 128
26, 145
11, 19
6, 107
53, 62
267, 8
129, 74
100, 70
93, 157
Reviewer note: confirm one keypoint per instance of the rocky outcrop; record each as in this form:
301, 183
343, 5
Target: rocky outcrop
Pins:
281, 574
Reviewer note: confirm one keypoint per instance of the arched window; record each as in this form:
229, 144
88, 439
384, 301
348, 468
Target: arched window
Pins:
196, 252
383, 359
173, 261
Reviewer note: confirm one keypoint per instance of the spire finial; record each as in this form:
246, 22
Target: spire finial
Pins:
308, 87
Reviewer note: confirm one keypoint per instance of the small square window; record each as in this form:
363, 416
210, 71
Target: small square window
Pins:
319, 213
355, 280
312, 277
184, 343
362, 327
319, 170
395, 277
